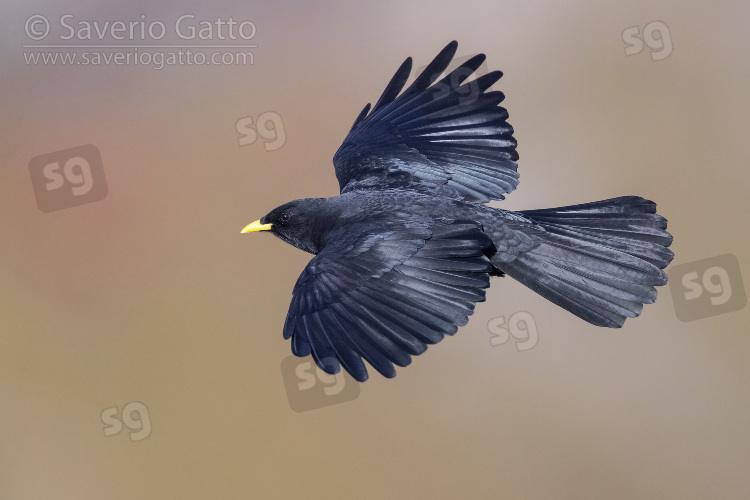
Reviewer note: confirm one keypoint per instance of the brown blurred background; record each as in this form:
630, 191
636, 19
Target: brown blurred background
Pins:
151, 295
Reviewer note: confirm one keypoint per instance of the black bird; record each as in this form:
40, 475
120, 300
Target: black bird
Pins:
407, 249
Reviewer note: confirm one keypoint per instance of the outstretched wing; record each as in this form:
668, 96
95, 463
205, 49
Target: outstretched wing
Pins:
384, 294
450, 137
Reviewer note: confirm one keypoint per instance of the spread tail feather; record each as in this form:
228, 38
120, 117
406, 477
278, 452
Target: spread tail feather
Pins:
600, 260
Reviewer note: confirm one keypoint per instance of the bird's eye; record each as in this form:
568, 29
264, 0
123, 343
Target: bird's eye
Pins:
284, 217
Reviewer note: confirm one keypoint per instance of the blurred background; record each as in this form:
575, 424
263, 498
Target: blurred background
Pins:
141, 352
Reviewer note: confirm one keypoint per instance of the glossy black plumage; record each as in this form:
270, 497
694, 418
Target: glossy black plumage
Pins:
450, 139
406, 251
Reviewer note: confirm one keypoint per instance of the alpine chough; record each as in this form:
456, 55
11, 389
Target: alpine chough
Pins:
407, 249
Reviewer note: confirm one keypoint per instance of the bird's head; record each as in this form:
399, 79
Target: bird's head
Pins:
301, 223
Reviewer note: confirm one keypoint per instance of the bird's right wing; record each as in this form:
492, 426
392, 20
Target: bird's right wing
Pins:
383, 292
449, 138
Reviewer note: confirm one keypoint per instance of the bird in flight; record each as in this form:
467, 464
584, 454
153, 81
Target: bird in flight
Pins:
408, 248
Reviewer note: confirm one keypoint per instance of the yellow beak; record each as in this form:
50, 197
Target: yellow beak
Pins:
256, 226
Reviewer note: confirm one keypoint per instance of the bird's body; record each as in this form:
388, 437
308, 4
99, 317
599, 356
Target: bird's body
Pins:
394, 205
407, 249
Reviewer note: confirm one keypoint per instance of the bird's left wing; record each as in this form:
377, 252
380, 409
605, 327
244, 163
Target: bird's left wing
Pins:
382, 292
450, 138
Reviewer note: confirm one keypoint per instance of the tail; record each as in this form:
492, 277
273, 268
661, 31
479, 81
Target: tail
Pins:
598, 260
